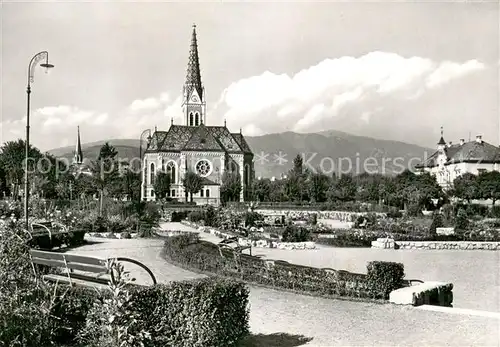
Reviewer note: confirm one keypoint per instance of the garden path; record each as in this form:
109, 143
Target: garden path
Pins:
327, 322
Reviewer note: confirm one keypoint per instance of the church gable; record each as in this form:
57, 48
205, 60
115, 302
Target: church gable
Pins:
194, 98
225, 138
203, 140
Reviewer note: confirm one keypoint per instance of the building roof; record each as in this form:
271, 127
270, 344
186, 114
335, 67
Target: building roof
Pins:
199, 138
469, 152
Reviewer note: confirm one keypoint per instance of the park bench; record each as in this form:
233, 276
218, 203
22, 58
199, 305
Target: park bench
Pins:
47, 228
91, 271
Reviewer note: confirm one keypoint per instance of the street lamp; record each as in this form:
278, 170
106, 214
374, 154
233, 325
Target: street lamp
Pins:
141, 138
44, 55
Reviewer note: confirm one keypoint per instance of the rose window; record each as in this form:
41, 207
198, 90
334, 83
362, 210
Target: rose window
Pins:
203, 167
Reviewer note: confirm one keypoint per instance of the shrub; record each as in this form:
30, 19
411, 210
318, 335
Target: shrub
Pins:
293, 233
116, 224
178, 216
461, 221
252, 217
126, 235
394, 213
313, 219
196, 216
210, 216
494, 212
384, 277
437, 222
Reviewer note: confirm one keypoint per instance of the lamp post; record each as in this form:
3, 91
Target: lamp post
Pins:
44, 55
141, 138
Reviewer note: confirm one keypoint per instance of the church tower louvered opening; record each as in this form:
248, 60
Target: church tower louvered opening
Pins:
193, 105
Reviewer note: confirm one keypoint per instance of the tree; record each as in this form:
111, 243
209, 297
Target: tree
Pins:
489, 185
296, 180
343, 189
261, 189
105, 173
277, 192
161, 185
317, 186
466, 187
192, 183
12, 159
231, 186
131, 184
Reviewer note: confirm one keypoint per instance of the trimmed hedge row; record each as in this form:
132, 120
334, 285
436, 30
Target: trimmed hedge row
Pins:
201, 313
189, 251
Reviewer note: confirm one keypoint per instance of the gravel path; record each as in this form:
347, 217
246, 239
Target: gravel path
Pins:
327, 322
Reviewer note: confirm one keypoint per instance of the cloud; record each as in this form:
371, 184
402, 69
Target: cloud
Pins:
323, 91
147, 104
448, 70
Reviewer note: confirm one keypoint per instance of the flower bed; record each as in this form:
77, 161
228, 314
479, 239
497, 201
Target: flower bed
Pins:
382, 277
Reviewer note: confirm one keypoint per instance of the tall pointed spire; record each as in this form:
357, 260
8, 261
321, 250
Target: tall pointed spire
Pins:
441, 140
78, 150
193, 77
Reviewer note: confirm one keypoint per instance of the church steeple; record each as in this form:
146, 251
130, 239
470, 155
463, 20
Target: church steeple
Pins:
193, 92
193, 77
78, 159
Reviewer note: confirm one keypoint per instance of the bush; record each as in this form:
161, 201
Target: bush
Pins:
384, 277
437, 222
116, 224
203, 313
196, 216
251, 218
313, 219
494, 212
179, 216
461, 221
210, 217
293, 233
394, 213
347, 240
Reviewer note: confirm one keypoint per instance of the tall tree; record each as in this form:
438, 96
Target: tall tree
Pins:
231, 186
131, 184
489, 185
317, 185
261, 189
12, 159
466, 187
343, 189
161, 185
192, 183
105, 173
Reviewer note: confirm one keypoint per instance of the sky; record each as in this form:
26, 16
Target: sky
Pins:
390, 70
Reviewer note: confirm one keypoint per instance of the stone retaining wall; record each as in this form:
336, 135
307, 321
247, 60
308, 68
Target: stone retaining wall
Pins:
454, 245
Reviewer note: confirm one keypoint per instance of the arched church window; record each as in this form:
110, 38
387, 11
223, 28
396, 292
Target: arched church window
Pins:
207, 193
191, 120
145, 171
171, 171
247, 175
197, 117
152, 174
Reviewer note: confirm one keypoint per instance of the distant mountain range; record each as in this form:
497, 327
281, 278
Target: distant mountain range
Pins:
329, 151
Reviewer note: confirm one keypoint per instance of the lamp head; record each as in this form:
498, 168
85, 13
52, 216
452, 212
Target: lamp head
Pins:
47, 66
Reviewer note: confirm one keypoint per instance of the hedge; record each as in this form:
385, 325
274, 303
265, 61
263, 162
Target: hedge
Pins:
209, 312
204, 256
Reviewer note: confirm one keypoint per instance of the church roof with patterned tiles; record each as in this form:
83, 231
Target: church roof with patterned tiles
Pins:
469, 152
203, 140
242, 142
181, 137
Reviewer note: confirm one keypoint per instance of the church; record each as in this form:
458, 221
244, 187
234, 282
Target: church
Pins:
197, 146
